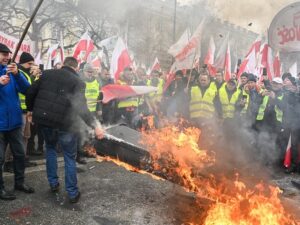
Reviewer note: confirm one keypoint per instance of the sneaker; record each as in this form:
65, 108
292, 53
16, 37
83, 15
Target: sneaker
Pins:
75, 199
55, 188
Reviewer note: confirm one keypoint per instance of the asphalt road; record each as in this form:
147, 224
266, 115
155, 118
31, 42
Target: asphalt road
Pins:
112, 195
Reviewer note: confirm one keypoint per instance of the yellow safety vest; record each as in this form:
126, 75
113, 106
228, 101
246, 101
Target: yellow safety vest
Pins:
228, 106
245, 109
263, 106
215, 84
156, 96
21, 96
128, 102
91, 94
202, 106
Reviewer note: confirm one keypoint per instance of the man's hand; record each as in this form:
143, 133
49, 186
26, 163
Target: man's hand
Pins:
99, 132
4, 80
12, 68
29, 117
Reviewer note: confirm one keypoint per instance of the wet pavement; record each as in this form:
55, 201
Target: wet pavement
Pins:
112, 195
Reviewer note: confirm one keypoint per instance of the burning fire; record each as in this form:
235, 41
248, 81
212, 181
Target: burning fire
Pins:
175, 156
92, 152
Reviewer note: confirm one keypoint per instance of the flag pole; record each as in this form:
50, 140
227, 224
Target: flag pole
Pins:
190, 75
26, 29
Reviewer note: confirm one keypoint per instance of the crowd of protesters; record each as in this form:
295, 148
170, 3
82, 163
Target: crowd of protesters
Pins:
246, 115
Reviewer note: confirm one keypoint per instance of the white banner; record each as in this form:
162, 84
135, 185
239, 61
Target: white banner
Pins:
284, 31
12, 43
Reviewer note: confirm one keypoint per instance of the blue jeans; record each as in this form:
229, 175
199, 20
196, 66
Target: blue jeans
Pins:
68, 143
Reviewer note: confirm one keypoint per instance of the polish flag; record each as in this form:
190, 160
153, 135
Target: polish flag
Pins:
293, 70
266, 60
84, 45
255, 46
156, 65
51, 54
249, 64
277, 66
96, 62
115, 91
180, 44
120, 60
209, 58
185, 58
227, 67
288, 154
38, 59
219, 62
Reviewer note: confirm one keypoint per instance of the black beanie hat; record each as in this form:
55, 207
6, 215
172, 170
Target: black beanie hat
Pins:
251, 77
26, 57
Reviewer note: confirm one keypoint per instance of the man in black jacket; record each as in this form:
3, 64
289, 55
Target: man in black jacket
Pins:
56, 101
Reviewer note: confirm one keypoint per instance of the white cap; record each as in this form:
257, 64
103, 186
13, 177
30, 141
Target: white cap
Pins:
277, 80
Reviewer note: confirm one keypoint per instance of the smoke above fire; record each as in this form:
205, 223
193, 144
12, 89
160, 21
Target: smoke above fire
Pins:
254, 15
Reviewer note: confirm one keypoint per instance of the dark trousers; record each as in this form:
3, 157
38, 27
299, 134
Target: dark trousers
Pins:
35, 130
15, 139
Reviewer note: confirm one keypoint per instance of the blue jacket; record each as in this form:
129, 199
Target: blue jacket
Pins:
10, 109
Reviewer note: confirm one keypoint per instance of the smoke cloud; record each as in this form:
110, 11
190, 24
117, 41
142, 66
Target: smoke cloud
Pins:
243, 12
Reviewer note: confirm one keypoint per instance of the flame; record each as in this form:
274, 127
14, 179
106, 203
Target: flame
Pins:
176, 154
90, 150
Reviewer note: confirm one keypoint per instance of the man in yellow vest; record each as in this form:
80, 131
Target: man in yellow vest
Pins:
127, 108
92, 91
26, 63
156, 81
204, 107
269, 122
219, 79
229, 95
92, 87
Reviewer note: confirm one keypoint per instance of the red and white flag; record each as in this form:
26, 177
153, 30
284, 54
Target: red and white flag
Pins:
120, 60
156, 65
51, 55
191, 52
293, 70
180, 44
288, 154
227, 67
96, 62
249, 64
266, 60
210, 55
277, 66
85, 45
219, 62
38, 58
115, 91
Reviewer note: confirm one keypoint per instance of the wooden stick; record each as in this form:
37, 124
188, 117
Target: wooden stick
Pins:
26, 29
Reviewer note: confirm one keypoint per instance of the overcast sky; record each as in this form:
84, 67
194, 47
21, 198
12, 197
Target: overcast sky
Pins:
242, 12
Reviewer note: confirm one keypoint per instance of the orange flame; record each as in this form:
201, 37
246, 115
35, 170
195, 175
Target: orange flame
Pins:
175, 152
92, 152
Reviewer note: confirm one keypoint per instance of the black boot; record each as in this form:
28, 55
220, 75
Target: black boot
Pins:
80, 160
8, 167
5, 195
